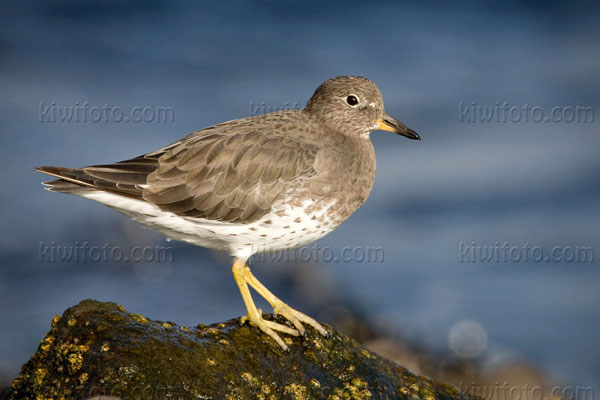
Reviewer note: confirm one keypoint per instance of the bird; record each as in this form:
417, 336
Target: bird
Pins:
263, 183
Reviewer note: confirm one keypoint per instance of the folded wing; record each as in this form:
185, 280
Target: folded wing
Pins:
211, 174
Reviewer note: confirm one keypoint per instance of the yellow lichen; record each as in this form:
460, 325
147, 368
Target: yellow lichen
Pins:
315, 383
359, 382
318, 344
73, 354
185, 328
39, 375
139, 318
265, 389
367, 354
55, 320
211, 362
16, 383
76, 361
105, 346
83, 378
224, 341
298, 391
47, 343
248, 377
213, 331
357, 388
166, 325
71, 322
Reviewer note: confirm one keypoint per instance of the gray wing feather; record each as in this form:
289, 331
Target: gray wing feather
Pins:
212, 174
228, 177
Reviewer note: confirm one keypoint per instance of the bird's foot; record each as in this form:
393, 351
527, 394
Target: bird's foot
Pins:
297, 318
270, 327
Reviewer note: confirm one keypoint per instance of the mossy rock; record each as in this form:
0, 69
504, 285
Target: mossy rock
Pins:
99, 349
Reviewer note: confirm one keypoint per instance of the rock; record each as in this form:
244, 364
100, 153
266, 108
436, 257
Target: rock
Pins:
98, 350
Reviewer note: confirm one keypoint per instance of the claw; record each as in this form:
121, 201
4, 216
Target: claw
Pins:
269, 328
297, 318
287, 315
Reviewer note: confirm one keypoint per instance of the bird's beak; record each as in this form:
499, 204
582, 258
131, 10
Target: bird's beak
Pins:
391, 124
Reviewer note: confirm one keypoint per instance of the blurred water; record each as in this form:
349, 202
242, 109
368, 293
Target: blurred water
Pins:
465, 182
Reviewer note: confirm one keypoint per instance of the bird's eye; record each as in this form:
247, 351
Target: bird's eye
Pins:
352, 100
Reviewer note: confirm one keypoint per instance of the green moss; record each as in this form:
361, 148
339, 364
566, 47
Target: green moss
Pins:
99, 348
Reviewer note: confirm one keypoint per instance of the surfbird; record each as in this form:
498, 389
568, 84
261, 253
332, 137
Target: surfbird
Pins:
259, 184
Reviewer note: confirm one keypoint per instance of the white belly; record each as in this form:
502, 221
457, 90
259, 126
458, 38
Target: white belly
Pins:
283, 228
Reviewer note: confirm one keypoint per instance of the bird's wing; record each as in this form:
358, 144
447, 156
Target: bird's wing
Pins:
212, 174
228, 177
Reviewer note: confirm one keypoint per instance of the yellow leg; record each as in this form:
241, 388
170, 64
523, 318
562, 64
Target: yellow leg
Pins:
244, 277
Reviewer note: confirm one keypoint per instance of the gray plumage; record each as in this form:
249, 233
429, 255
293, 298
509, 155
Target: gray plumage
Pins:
238, 170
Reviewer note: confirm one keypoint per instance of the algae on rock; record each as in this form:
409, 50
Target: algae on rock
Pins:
99, 349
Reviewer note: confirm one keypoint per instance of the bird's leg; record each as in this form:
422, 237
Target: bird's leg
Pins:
279, 307
240, 273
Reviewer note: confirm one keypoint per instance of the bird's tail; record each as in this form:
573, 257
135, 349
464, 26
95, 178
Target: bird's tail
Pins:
68, 180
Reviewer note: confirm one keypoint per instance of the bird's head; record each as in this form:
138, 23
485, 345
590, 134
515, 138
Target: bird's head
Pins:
353, 106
